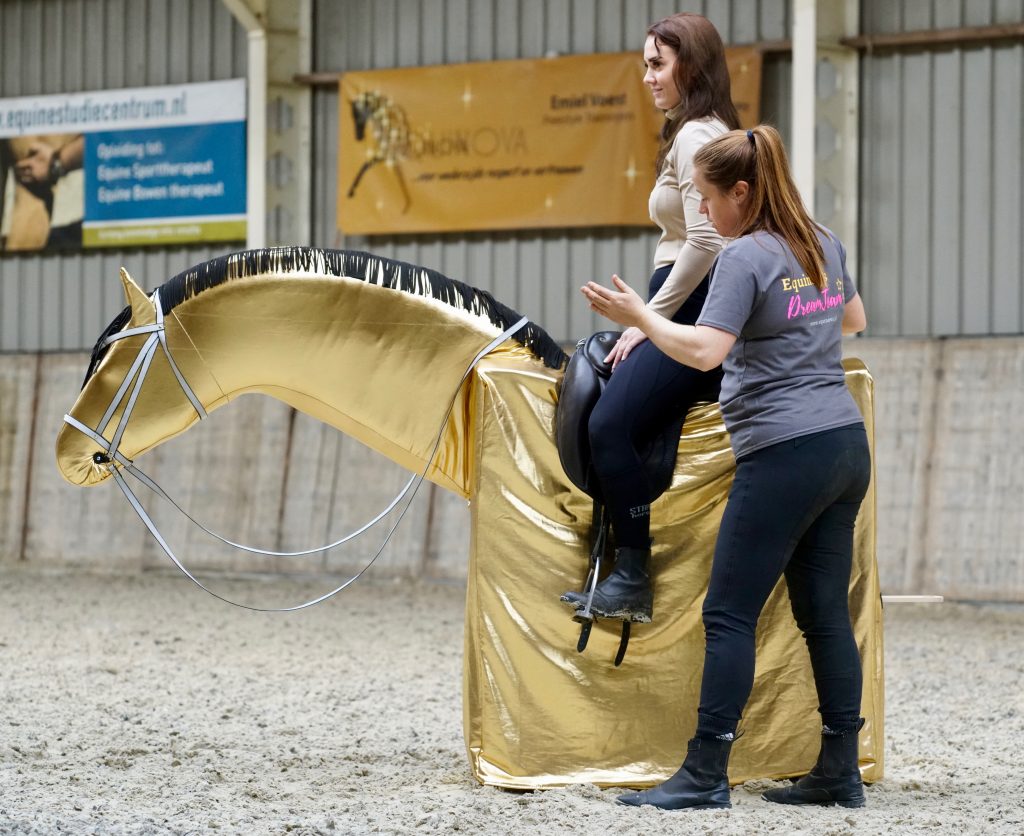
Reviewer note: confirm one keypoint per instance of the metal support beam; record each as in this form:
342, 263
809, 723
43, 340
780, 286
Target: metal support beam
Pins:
825, 128
837, 126
256, 123
805, 56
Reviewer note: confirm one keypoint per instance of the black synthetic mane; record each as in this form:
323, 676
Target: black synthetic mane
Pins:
100, 349
386, 272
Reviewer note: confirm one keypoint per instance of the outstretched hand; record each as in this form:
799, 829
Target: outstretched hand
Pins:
623, 306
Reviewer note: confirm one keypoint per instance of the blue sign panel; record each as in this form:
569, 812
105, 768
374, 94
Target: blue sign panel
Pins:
179, 172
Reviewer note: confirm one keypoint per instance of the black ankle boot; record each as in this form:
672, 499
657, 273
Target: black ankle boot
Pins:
626, 592
701, 783
835, 778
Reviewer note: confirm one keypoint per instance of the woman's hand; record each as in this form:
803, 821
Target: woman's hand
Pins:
630, 339
624, 307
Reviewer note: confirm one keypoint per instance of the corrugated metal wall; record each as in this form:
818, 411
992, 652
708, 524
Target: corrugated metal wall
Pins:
941, 171
62, 302
537, 273
942, 175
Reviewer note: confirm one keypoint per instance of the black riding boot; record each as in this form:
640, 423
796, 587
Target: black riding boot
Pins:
835, 778
701, 783
625, 593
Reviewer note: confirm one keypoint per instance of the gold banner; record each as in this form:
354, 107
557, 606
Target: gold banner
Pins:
553, 142
745, 83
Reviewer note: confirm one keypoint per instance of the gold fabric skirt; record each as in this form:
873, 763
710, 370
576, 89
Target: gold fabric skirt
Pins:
539, 714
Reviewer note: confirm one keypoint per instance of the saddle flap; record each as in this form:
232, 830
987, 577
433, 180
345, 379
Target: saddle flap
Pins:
595, 349
581, 386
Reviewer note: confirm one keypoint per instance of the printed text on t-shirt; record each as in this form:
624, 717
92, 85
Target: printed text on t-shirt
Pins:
798, 307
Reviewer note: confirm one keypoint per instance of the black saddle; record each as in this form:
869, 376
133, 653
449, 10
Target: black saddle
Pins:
584, 380
582, 384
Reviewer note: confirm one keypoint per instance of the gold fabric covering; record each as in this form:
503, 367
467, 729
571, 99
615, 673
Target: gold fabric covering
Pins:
381, 365
539, 714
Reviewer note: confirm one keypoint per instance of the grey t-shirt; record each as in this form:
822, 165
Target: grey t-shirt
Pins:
784, 375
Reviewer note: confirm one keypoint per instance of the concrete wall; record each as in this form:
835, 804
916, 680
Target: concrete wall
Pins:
949, 460
950, 464
255, 472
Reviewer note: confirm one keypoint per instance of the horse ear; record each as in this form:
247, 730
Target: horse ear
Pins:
141, 305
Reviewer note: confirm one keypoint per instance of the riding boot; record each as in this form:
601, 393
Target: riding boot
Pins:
626, 592
701, 783
834, 779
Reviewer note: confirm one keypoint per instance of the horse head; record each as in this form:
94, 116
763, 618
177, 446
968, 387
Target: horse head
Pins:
161, 409
363, 107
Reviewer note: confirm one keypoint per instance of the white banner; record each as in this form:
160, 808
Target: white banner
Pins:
114, 110
116, 168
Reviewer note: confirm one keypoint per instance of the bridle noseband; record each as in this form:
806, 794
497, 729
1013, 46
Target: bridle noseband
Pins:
138, 371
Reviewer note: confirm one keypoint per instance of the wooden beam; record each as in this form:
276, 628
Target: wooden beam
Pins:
317, 79
767, 46
896, 41
331, 79
935, 38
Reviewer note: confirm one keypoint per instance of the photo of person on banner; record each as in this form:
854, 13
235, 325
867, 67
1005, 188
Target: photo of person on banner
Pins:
42, 196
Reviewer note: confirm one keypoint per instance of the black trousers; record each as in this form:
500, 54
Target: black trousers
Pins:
645, 393
791, 512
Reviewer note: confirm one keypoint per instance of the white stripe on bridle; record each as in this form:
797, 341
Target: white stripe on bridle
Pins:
115, 461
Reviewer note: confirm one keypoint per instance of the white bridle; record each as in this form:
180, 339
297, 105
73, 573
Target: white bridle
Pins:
115, 461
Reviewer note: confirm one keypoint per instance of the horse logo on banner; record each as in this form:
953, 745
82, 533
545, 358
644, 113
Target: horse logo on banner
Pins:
393, 139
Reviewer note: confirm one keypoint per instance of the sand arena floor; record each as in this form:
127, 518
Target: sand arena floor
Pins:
141, 705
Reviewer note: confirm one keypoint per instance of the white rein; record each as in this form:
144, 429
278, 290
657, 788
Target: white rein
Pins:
115, 461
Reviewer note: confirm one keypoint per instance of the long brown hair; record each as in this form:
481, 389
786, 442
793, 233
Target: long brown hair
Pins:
700, 74
758, 157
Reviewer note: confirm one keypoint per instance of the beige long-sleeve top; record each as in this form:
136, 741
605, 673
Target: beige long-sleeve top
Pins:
688, 240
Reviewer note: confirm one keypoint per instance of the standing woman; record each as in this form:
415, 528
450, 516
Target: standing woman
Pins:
689, 80
780, 300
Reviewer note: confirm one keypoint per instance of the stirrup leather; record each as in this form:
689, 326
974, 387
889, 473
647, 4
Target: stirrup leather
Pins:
586, 617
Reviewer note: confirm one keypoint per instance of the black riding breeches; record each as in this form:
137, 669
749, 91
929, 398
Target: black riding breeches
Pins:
645, 393
791, 513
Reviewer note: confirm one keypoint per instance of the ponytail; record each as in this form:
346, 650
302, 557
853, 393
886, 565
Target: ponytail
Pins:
759, 157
